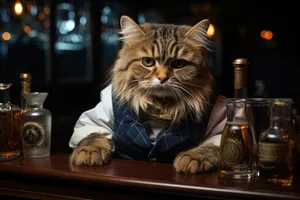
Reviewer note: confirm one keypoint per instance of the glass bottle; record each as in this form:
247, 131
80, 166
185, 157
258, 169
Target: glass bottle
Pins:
236, 149
25, 81
240, 78
36, 126
9, 130
277, 145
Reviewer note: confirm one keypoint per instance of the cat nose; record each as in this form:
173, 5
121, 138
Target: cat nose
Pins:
162, 79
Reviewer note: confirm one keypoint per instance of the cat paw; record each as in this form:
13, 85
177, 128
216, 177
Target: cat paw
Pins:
92, 152
200, 159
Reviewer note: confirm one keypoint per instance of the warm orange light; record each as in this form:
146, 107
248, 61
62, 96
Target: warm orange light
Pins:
41, 16
266, 34
6, 36
46, 10
211, 30
262, 33
18, 8
27, 29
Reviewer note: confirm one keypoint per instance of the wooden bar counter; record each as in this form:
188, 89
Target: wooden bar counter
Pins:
54, 178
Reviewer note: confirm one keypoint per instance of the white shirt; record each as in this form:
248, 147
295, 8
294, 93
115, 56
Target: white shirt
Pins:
100, 119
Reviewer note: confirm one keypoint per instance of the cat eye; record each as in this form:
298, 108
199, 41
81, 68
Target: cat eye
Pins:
148, 62
179, 63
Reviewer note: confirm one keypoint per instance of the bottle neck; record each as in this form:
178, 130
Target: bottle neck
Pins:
280, 115
5, 96
36, 105
236, 112
25, 87
241, 93
240, 81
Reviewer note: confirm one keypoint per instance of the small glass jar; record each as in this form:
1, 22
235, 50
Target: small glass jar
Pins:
36, 126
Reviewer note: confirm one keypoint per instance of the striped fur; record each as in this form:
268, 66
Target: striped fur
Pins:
190, 86
187, 89
94, 150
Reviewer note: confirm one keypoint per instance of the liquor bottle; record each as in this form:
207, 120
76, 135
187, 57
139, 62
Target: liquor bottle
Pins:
9, 130
277, 145
25, 81
236, 149
36, 126
240, 77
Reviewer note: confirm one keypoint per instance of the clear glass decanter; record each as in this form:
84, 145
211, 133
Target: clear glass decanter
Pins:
10, 146
36, 126
236, 149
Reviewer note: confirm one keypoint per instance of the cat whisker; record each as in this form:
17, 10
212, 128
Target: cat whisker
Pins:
175, 95
184, 98
141, 88
125, 87
204, 100
185, 90
199, 94
133, 92
208, 89
178, 94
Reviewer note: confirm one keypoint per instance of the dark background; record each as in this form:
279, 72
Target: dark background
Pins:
69, 46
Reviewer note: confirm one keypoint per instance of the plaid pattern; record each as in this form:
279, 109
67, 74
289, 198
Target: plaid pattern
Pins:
131, 136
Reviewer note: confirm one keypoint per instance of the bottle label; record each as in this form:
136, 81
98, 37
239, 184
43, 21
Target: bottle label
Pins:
273, 152
33, 134
233, 152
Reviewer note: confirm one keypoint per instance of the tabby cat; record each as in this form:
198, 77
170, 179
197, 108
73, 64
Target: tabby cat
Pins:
160, 105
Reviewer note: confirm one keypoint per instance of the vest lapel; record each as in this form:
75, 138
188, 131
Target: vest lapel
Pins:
128, 127
178, 137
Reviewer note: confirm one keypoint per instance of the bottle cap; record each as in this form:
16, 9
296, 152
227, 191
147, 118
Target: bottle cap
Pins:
240, 61
25, 76
4, 86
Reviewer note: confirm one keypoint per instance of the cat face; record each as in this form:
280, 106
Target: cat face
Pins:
162, 61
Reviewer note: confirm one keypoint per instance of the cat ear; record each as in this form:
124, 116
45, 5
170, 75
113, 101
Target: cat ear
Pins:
198, 33
129, 28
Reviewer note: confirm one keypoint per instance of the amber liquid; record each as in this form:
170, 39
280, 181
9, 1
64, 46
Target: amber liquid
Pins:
10, 136
236, 151
277, 162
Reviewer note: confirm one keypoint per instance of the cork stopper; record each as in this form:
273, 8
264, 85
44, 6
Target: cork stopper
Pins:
240, 73
25, 77
240, 61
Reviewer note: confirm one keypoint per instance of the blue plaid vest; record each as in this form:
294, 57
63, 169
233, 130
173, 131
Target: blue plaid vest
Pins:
131, 136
